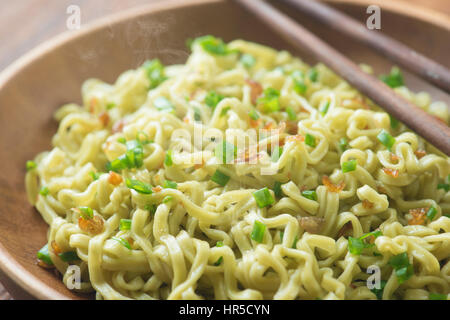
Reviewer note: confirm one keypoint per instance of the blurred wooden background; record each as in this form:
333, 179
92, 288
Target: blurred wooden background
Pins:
26, 23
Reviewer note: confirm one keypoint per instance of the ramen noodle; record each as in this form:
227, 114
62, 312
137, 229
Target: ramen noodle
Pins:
243, 174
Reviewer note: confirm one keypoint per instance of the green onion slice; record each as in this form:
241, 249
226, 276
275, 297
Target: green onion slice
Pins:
125, 224
258, 231
44, 255
86, 212
212, 99
44, 191
343, 143
349, 166
69, 256
123, 242
394, 79
139, 186
168, 159
310, 140
263, 197
357, 245
220, 178
253, 115
277, 189
169, 184
248, 60
403, 269
30, 165
431, 213
276, 154
270, 100
310, 194
437, 296
291, 114
155, 72
323, 108
379, 292
386, 139
163, 104
213, 45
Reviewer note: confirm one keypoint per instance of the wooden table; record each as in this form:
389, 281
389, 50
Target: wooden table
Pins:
26, 23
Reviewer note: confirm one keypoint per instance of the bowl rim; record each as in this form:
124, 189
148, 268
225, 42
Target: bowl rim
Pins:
11, 268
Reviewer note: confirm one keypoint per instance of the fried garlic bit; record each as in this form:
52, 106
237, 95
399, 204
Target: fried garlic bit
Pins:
93, 226
418, 216
311, 224
114, 178
256, 90
391, 172
331, 186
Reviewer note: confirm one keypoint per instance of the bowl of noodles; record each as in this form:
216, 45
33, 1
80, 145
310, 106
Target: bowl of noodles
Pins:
184, 151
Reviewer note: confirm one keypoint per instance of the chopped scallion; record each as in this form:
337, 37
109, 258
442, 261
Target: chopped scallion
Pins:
30, 165
69, 256
123, 242
253, 115
163, 104
313, 74
310, 194
276, 154
44, 191
44, 255
170, 184
437, 296
277, 189
125, 224
357, 245
386, 139
212, 99
299, 82
263, 197
220, 178
431, 213
403, 269
343, 143
155, 72
139, 186
248, 60
291, 114
270, 100
323, 108
86, 212
349, 166
213, 45
394, 79
394, 122
310, 140
258, 231
168, 159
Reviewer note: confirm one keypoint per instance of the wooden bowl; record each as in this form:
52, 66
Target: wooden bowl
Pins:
37, 84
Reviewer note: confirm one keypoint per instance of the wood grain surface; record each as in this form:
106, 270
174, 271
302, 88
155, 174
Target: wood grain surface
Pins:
26, 23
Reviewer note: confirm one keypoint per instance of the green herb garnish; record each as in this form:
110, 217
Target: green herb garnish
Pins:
263, 197
139, 186
258, 231
220, 178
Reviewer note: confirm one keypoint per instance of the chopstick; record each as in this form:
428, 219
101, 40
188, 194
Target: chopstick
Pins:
429, 127
389, 47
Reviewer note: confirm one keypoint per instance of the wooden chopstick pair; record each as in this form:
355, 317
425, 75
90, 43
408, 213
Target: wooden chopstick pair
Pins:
429, 127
